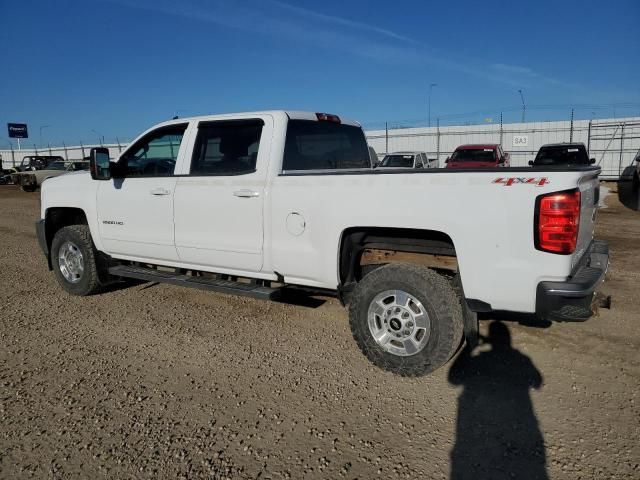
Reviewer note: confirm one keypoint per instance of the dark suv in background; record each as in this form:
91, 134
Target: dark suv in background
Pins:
562, 154
629, 184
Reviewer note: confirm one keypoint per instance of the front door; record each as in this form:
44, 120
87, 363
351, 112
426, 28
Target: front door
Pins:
219, 204
135, 209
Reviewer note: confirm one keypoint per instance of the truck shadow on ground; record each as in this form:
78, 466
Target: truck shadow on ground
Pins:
497, 432
290, 296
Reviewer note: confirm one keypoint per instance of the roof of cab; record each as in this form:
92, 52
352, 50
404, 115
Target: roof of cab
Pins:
478, 145
406, 152
292, 114
564, 144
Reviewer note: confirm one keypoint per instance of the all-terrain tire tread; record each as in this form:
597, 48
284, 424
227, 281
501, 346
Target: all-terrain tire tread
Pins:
82, 234
441, 297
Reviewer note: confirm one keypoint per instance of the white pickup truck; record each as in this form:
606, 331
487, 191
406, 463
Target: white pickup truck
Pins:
253, 203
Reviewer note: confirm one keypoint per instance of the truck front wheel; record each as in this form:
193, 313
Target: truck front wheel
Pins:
73, 257
406, 319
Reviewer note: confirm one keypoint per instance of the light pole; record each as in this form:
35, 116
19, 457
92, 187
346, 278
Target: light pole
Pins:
42, 127
524, 107
100, 137
431, 85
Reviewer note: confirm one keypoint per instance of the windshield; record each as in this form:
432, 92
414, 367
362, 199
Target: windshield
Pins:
57, 166
562, 155
398, 161
474, 155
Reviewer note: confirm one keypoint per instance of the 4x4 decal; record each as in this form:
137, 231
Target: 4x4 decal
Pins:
537, 181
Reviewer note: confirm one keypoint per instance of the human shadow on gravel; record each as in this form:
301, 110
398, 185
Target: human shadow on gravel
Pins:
525, 319
497, 433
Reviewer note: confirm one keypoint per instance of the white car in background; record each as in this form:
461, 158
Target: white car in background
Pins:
408, 160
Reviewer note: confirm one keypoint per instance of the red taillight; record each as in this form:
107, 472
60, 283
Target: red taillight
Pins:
557, 221
327, 117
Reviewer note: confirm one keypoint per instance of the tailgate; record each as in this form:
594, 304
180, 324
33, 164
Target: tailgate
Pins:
589, 186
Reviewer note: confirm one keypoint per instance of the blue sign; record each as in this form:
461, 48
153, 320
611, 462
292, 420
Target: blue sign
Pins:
18, 130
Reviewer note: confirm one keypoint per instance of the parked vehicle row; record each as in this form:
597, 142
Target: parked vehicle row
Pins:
31, 180
34, 169
252, 203
492, 156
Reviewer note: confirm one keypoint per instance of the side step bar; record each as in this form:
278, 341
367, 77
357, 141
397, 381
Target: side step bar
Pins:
203, 283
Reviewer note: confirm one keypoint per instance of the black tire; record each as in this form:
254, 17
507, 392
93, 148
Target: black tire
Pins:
438, 298
80, 236
28, 188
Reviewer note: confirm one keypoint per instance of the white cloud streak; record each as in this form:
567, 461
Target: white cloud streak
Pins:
282, 20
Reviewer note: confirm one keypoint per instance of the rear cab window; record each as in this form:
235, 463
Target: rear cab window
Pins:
324, 145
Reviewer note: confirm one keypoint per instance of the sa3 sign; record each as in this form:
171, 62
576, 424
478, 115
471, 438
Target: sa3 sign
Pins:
521, 140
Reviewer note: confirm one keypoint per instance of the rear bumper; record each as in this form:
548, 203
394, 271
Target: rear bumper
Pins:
571, 300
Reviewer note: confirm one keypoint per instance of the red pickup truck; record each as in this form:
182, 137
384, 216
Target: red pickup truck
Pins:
478, 156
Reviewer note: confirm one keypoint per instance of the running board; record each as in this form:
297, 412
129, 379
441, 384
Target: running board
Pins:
203, 283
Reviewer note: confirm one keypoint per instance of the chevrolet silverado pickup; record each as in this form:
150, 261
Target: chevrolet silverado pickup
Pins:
255, 203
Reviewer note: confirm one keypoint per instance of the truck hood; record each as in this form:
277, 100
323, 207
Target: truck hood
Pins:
471, 164
78, 173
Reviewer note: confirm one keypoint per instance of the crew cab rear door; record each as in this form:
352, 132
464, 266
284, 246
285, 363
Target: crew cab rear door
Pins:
219, 201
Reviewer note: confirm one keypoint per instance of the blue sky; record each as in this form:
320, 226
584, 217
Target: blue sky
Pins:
86, 68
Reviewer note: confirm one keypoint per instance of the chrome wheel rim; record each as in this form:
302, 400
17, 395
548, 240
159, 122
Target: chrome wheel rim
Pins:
399, 323
71, 262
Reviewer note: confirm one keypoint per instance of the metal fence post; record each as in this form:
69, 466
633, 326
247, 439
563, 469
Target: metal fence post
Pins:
438, 140
119, 147
82, 149
386, 138
571, 128
500, 128
49, 145
621, 149
66, 155
589, 138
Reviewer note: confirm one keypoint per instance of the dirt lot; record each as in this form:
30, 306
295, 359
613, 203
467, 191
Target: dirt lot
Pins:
155, 381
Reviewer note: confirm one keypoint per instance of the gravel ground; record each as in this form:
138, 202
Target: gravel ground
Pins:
155, 381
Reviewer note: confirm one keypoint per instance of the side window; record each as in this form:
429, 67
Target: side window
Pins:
154, 155
226, 148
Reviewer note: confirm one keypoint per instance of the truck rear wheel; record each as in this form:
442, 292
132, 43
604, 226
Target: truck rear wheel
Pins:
28, 188
406, 319
73, 257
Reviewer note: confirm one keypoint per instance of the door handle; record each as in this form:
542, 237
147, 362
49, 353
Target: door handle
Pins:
160, 191
245, 193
